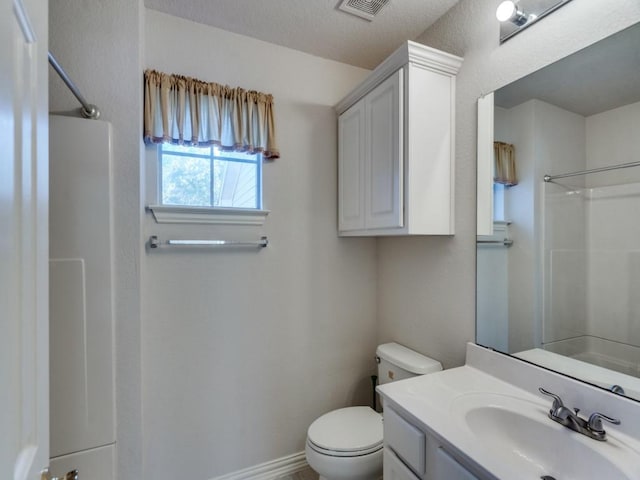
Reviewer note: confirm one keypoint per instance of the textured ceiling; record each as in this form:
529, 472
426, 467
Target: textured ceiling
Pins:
315, 26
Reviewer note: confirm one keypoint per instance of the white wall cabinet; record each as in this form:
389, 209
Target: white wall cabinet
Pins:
396, 147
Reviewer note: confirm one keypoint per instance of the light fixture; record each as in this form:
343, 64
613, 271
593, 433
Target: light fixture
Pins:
516, 15
508, 11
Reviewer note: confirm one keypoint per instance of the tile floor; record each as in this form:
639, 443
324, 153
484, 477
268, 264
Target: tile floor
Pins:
306, 474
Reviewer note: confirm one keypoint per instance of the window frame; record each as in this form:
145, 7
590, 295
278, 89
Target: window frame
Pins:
207, 214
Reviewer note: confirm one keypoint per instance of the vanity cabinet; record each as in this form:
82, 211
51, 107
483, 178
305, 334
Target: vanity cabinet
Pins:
396, 147
413, 454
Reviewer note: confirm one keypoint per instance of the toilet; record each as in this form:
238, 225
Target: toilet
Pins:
346, 444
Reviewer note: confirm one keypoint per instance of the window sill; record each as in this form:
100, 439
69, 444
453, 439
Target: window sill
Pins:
223, 216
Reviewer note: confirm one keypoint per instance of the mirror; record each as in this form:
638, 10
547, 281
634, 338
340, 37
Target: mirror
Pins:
558, 274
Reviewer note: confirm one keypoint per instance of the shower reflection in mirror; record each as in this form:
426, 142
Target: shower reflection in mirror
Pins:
565, 294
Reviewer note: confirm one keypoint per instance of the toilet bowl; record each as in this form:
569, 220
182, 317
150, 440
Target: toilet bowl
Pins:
346, 444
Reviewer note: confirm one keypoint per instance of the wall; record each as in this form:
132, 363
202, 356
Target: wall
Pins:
612, 139
492, 291
100, 46
547, 139
426, 285
520, 208
243, 350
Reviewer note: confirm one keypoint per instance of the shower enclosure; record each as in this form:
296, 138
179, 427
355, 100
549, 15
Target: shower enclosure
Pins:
592, 273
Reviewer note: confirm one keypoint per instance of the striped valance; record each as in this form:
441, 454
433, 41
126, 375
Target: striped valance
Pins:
184, 110
505, 164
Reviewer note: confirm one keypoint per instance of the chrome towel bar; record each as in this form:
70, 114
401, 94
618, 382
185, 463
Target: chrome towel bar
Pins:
506, 242
155, 242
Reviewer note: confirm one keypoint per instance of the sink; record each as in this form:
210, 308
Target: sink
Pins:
519, 432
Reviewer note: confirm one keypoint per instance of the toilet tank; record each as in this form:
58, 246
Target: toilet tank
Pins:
396, 362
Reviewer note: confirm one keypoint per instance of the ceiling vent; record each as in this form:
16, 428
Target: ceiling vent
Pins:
366, 9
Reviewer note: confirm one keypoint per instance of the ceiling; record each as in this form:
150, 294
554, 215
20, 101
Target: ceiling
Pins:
601, 77
315, 26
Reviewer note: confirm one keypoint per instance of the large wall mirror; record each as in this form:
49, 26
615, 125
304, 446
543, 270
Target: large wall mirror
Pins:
558, 273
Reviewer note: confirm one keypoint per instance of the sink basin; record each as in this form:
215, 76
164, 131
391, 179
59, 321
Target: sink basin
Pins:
519, 432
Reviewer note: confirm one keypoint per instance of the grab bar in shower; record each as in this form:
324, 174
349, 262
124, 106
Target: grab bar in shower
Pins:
548, 178
506, 242
88, 110
155, 242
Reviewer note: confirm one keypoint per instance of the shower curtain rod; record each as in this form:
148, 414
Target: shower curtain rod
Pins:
88, 110
548, 178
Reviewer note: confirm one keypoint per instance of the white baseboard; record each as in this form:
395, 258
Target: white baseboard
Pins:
270, 470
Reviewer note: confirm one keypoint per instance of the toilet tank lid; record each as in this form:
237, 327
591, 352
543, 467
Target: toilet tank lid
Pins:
407, 359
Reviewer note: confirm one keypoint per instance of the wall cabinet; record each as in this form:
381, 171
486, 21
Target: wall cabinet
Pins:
396, 147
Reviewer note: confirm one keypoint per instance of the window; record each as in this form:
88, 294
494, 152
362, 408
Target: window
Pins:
499, 206
209, 177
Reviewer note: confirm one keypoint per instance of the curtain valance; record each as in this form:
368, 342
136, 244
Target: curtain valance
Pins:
184, 110
505, 164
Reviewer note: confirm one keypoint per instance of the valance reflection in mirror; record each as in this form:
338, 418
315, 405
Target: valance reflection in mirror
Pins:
559, 277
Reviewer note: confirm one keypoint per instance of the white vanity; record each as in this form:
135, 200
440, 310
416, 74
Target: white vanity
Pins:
487, 420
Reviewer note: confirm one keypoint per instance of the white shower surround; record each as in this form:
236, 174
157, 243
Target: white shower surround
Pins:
601, 278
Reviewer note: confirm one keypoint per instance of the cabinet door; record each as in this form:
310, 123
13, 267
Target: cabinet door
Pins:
394, 469
384, 154
351, 156
447, 468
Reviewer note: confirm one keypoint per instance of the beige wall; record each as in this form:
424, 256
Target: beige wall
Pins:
426, 286
243, 350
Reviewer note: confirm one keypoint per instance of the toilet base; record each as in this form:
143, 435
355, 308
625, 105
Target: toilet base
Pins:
364, 467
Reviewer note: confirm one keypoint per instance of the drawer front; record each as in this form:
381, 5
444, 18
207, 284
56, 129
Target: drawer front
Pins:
407, 441
394, 469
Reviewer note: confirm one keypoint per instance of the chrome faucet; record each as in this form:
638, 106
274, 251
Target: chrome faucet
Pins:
592, 427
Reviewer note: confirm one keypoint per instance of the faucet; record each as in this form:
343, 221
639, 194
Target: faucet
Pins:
591, 427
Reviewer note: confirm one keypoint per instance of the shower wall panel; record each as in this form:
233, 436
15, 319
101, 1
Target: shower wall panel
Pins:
81, 301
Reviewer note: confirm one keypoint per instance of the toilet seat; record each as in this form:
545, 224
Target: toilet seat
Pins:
337, 453
347, 432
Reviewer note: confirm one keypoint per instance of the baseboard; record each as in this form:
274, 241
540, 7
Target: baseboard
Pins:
270, 470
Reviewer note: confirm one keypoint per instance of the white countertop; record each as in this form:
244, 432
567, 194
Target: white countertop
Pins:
430, 403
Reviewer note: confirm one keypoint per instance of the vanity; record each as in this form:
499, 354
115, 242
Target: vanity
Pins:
551, 389
487, 420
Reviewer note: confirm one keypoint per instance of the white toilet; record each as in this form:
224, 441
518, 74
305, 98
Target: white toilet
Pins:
346, 444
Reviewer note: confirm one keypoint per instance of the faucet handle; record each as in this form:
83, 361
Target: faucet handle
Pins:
557, 401
595, 422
